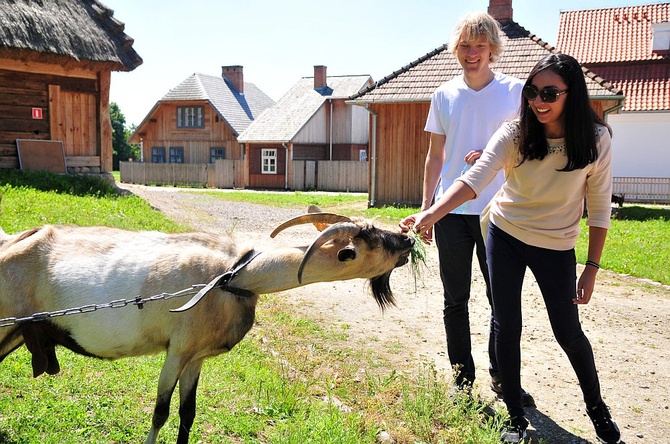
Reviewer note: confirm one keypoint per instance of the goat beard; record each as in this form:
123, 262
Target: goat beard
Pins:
381, 290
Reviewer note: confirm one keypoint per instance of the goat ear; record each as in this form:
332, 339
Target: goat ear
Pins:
320, 226
322, 219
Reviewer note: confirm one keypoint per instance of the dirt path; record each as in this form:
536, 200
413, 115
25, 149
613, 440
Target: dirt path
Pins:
627, 323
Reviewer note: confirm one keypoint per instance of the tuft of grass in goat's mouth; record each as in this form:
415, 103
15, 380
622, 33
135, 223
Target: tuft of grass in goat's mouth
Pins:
417, 255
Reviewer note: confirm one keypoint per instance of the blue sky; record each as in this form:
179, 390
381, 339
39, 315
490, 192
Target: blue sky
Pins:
279, 41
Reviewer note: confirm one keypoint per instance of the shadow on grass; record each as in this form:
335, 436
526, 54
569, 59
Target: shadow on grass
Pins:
58, 183
641, 214
5, 438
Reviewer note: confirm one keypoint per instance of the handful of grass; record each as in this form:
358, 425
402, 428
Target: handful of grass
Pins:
417, 255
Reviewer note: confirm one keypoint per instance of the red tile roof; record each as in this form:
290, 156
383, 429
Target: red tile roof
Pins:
616, 43
418, 80
611, 35
646, 86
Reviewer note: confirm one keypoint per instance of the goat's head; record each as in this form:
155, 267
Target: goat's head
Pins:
372, 252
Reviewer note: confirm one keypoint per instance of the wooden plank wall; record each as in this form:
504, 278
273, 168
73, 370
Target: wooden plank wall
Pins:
18, 95
346, 176
401, 150
161, 130
68, 108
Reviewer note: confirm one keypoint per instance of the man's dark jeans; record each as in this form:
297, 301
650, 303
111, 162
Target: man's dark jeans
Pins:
457, 236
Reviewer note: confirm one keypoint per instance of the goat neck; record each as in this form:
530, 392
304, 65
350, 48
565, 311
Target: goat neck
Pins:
337, 260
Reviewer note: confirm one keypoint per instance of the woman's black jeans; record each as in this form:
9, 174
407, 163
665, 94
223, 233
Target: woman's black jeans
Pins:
555, 273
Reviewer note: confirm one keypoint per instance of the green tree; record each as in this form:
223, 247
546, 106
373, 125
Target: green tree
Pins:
122, 150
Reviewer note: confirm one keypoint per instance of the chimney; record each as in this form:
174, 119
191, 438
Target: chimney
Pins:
501, 10
319, 77
234, 74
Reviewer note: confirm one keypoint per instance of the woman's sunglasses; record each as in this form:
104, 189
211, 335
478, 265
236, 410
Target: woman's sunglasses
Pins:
549, 95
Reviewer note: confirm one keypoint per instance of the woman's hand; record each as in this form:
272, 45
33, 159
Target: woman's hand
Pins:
585, 286
418, 224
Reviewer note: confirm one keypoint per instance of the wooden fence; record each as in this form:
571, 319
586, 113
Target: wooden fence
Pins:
347, 176
642, 189
340, 175
221, 174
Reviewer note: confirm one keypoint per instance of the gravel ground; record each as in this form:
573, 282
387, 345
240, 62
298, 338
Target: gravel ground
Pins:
626, 322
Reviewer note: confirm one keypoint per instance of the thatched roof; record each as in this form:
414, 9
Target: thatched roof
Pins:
74, 32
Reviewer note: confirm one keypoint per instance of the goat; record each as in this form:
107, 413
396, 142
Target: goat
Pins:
59, 267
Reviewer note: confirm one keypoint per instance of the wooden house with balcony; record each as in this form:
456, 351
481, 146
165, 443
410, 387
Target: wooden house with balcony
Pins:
199, 120
56, 59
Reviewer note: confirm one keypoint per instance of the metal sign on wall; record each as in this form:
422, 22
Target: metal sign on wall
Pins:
37, 113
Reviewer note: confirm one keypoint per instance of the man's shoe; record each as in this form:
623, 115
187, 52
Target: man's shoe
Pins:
526, 399
515, 431
606, 429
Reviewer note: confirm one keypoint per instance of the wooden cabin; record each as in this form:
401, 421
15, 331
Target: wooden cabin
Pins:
311, 122
198, 121
56, 59
399, 106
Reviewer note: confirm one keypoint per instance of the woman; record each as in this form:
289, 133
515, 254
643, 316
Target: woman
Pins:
555, 156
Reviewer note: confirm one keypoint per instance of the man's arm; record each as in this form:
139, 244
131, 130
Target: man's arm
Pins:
433, 168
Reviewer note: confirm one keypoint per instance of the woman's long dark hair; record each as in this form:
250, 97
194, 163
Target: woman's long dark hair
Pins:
579, 117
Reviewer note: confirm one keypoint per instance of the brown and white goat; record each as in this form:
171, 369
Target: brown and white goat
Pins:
56, 267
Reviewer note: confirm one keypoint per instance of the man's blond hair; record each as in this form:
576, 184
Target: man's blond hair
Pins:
474, 25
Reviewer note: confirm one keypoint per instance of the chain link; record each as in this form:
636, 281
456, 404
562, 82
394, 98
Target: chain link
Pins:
118, 303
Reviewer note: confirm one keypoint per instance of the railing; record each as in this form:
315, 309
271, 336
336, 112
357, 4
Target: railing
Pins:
642, 189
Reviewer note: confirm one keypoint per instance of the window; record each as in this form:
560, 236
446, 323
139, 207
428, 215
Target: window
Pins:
268, 161
177, 154
190, 117
216, 152
158, 154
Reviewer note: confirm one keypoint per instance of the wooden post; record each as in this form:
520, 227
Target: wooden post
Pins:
55, 119
105, 123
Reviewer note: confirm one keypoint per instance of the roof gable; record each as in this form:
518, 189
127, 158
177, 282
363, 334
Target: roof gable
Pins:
611, 35
237, 109
617, 43
81, 30
288, 116
417, 81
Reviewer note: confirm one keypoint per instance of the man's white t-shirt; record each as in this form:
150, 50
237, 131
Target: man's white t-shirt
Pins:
469, 118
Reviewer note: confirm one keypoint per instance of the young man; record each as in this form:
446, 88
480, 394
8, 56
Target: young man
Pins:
464, 113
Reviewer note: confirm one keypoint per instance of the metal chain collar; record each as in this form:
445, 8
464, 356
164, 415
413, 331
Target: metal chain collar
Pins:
118, 303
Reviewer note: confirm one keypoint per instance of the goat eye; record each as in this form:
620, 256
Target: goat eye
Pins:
346, 254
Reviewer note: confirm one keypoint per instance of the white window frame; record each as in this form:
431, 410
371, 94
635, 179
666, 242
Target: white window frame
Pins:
268, 161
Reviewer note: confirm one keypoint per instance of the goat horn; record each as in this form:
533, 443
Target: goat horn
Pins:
310, 218
338, 230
